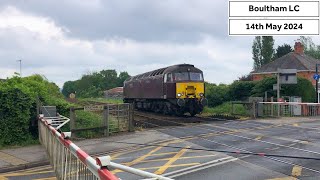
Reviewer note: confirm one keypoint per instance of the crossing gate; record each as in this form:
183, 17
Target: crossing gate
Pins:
71, 162
111, 118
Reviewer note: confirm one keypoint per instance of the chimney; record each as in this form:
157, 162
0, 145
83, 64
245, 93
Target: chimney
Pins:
298, 48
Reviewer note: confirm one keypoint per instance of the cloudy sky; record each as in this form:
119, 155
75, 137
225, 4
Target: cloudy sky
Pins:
64, 39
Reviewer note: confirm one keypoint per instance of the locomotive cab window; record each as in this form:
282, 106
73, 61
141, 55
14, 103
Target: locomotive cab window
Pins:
169, 77
196, 76
182, 76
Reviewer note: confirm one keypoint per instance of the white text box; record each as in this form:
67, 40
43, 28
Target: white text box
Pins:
274, 8
273, 27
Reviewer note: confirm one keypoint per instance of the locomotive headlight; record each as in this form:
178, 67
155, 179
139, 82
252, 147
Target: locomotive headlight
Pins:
201, 94
179, 94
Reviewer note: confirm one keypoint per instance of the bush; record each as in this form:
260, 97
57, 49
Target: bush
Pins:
216, 95
303, 88
240, 90
15, 113
18, 107
226, 109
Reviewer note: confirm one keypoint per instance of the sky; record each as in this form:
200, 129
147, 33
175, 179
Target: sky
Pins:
63, 40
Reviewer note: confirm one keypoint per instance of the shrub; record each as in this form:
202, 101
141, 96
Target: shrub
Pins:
303, 88
240, 90
15, 113
18, 107
216, 95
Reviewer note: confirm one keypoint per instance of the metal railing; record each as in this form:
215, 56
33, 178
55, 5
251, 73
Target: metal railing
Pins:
70, 162
67, 159
274, 109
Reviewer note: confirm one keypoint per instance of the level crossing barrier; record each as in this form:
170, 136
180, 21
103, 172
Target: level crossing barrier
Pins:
289, 109
70, 162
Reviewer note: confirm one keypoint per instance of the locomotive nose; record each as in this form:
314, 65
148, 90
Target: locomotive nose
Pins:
190, 90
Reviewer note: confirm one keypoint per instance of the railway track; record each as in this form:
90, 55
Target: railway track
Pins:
153, 120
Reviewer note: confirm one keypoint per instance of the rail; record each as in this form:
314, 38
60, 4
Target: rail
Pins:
289, 109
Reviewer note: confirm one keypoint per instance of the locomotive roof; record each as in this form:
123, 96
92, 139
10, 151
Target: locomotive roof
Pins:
169, 69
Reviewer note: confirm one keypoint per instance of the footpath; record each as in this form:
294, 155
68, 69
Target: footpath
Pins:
33, 156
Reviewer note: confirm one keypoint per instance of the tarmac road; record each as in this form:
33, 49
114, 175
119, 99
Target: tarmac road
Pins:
290, 138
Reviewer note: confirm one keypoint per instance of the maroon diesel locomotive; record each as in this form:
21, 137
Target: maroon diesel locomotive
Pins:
176, 89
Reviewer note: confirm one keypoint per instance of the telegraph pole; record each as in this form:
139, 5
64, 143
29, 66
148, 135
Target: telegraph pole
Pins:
20, 67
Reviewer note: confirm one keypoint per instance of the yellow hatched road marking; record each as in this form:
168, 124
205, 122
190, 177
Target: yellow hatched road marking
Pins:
146, 155
178, 165
161, 154
258, 138
11, 159
115, 155
49, 178
25, 174
187, 157
163, 168
284, 178
296, 171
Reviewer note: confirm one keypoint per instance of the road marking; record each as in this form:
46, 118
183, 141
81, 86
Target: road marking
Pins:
3, 178
25, 174
49, 178
11, 159
287, 139
284, 178
141, 158
258, 138
296, 171
295, 124
199, 167
171, 161
171, 166
166, 153
185, 157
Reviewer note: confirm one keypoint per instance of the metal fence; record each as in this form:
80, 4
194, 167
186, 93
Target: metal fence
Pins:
111, 118
67, 159
274, 109
70, 162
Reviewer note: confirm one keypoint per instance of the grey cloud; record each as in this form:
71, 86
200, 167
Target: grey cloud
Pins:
142, 20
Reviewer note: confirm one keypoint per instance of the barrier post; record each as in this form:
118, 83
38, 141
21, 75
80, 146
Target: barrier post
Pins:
72, 121
131, 127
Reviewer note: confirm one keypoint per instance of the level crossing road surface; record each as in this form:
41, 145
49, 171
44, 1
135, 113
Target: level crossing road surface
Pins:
183, 155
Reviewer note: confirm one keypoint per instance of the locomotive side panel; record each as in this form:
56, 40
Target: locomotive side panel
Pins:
152, 88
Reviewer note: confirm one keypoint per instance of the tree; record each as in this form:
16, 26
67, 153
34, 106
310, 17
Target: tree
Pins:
94, 83
303, 88
240, 90
122, 77
283, 50
68, 88
256, 52
267, 51
309, 47
262, 51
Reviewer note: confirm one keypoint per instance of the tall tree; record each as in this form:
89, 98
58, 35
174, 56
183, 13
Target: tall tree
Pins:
283, 50
256, 52
309, 47
267, 51
122, 77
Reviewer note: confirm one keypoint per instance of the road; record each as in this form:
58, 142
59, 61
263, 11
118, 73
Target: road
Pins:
180, 156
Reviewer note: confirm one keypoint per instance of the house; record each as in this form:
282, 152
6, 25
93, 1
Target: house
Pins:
116, 92
305, 65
